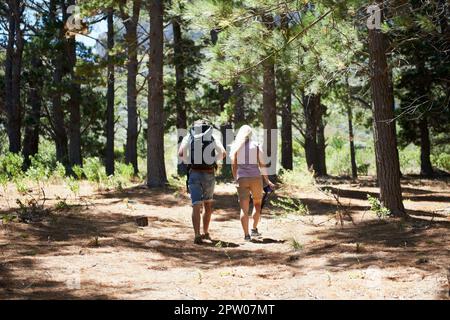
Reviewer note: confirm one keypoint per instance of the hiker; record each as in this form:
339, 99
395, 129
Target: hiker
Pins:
200, 151
249, 171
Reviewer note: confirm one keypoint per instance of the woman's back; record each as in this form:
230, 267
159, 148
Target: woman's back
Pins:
247, 160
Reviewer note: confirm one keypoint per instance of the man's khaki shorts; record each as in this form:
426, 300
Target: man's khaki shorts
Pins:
253, 185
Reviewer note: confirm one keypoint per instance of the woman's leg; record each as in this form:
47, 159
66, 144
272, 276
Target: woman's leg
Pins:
244, 203
256, 213
256, 188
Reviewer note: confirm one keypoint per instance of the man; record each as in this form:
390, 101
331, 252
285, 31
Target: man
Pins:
201, 151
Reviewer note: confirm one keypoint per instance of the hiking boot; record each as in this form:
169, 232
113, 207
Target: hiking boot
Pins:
255, 233
206, 236
247, 238
198, 240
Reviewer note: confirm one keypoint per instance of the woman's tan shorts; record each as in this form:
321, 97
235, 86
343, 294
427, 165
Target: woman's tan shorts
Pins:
251, 185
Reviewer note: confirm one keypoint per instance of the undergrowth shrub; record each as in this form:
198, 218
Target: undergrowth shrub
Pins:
441, 161
300, 177
377, 207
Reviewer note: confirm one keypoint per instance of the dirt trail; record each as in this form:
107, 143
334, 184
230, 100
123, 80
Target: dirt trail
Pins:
95, 250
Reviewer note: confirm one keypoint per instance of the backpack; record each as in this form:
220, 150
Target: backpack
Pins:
200, 136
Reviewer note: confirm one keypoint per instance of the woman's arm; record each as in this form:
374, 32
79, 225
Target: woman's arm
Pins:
234, 166
263, 169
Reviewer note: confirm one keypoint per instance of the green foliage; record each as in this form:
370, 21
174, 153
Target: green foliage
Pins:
7, 218
291, 205
46, 156
299, 177
124, 171
376, 206
295, 244
409, 159
441, 161
62, 205
11, 166
94, 171
60, 171
74, 185
78, 172
177, 182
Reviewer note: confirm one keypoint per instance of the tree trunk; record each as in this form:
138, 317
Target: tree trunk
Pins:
311, 104
270, 113
426, 169
352, 143
131, 38
156, 169
286, 122
110, 97
226, 166
13, 70
270, 105
224, 97
386, 153
74, 108
239, 105
31, 138
238, 120
285, 83
59, 128
180, 85
321, 144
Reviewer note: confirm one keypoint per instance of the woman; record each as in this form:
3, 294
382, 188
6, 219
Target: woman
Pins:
247, 167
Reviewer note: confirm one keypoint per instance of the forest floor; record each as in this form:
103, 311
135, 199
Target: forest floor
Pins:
91, 248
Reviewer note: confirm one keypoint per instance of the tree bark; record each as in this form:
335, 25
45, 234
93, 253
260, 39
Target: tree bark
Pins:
131, 38
386, 153
32, 127
285, 83
351, 139
311, 105
224, 97
426, 169
13, 70
270, 112
74, 105
270, 104
286, 122
180, 85
239, 105
59, 128
156, 169
321, 144
110, 98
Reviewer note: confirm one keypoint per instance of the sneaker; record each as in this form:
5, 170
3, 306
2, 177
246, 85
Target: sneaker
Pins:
206, 236
198, 240
247, 238
255, 233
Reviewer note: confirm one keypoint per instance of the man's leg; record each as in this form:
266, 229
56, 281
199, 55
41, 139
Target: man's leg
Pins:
207, 215
196, 212
195, 189
208, 184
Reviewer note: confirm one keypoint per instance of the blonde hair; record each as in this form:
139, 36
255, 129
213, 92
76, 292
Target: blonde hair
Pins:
244, 134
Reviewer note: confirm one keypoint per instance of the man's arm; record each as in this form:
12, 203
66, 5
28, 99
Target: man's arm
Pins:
182, 148
181, 151
221, 152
